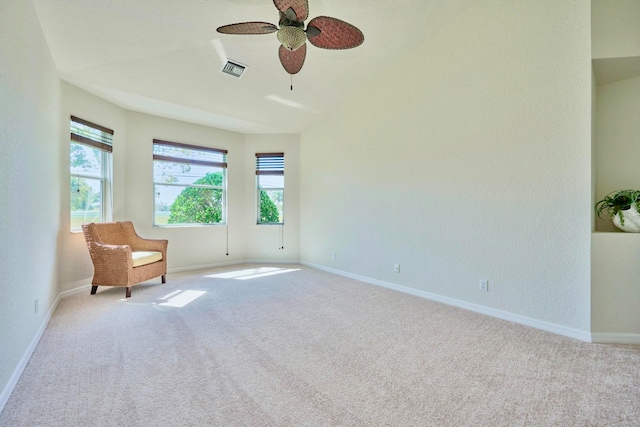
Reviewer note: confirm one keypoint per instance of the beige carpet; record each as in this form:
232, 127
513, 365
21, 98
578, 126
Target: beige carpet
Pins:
293, 346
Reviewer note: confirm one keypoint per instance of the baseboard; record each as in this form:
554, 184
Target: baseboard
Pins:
22, 364
76, 287
604, 338
523, 320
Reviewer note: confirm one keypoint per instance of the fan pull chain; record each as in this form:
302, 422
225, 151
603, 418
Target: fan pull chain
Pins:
281, 236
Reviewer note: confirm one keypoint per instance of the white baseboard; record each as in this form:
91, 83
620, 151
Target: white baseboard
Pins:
76, 287
523, 320
22, 364
604, 338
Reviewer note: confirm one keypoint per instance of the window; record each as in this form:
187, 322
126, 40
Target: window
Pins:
189, 184
270, 184
90, 171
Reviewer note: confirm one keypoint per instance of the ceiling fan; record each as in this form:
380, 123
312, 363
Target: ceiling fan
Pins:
322, 31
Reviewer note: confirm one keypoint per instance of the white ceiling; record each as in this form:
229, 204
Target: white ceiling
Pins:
164, 57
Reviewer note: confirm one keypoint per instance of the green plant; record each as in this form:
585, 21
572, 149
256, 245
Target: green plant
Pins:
199, 205
616, 202
268, 209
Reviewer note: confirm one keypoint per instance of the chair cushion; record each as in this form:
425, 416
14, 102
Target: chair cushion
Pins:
145, 257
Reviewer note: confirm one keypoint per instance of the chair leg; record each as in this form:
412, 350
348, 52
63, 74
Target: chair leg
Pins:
164, 279
93, 290
128, 292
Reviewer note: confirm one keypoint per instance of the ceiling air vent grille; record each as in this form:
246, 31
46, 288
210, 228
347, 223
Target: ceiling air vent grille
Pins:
233, 69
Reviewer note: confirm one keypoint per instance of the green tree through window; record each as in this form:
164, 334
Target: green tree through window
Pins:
268, 209
199, 205
189, 184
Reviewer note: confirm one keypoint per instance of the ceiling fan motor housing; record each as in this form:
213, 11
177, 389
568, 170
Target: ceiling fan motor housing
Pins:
291, 37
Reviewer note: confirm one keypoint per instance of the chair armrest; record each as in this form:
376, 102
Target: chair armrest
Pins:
112, 264
113, 254
141, 244
106, 246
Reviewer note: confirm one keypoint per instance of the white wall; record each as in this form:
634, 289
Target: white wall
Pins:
616, 28
615, 290
469, 159
29, 190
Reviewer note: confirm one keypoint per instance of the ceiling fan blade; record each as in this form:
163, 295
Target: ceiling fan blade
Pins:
248, 28
334, 33
300, 7
292, 60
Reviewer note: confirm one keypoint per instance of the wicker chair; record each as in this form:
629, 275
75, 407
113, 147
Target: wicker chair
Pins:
121, 257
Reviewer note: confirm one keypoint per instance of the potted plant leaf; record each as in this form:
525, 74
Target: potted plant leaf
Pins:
622, 206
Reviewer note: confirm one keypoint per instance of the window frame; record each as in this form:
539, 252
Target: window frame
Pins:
104, 144
185, 160
269, 164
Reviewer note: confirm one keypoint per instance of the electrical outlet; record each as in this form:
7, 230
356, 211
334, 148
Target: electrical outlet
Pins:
396, 268
333, 255
484, 285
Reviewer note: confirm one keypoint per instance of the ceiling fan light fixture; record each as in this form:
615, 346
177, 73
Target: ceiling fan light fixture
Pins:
291, 37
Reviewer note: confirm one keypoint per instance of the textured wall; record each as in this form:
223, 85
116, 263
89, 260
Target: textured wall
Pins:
615, 291
616, 28
469, 159
30, 190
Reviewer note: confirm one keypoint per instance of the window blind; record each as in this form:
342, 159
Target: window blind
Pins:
269, 163
85, 132
186, 153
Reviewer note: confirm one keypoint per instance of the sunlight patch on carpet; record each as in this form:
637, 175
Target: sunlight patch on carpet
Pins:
181, 298
252, 273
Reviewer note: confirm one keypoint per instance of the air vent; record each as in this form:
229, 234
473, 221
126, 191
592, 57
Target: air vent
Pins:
233, 69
